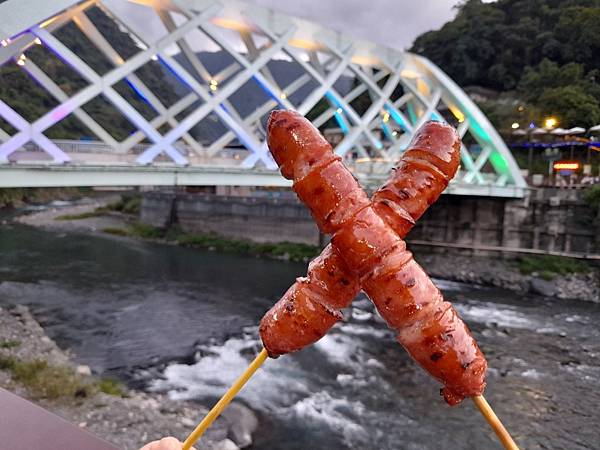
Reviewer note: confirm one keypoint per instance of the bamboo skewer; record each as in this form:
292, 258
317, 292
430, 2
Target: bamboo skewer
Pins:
491, 417
481, 403
227, 397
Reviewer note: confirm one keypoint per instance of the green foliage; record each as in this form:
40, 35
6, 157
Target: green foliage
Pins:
282, 250
128, 204
116, 231
145, 231
111, 386
489, 44
46, 381
547, 275
565, 92
57, 382
6, 363
547, 49
10, 344
548, 266
140, 230
131, 204
547, 75
85, 215
572, 105
592, 197
287, 250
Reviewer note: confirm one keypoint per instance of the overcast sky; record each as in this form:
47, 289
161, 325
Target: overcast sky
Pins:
395, 23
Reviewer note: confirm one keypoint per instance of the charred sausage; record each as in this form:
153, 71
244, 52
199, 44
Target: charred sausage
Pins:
427, 326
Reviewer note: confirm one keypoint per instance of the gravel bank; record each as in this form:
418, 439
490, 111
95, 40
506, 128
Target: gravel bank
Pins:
127, 421
47, 218
505, 274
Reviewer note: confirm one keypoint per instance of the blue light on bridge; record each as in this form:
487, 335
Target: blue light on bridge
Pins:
397, 118
338, 113
436, 117
387, 131
265, 88
341, 120
139, 93
411, 113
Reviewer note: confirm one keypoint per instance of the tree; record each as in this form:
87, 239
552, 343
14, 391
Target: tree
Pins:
489, 44
545, 49
572, 105
548, 74
578, 30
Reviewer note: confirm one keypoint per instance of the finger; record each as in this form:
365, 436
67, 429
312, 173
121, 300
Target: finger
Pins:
168, 443
150, 446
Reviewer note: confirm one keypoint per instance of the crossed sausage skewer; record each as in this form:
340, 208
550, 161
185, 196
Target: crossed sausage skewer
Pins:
414, 185
367, 251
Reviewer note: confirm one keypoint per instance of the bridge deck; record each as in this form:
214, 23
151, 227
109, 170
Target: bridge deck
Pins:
48, 175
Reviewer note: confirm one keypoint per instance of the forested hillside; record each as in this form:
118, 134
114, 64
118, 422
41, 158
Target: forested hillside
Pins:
544, 52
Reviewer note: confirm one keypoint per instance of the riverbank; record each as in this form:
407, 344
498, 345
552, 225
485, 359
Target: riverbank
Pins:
32, 366
110, 215
556, 277
18, 197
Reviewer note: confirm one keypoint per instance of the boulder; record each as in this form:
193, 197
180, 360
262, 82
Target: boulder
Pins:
83, 370
542, 287
242, 423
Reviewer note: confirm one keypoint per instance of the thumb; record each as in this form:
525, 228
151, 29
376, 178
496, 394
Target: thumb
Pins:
168, 443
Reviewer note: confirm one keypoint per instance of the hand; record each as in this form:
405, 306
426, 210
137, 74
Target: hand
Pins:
168, 443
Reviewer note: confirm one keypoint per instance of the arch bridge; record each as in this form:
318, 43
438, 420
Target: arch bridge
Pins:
177, 92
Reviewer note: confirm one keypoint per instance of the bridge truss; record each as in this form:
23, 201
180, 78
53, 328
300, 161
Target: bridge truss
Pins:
196, 122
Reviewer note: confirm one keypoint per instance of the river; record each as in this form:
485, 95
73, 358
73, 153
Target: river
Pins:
184, 321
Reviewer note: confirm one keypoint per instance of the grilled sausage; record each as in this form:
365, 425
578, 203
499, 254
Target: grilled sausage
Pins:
427, 326
329, 286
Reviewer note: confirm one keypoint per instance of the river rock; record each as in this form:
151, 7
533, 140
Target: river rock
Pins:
580, 286
542, 287
83, 370
242, 423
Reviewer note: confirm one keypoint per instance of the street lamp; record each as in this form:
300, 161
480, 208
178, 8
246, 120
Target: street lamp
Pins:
550, 122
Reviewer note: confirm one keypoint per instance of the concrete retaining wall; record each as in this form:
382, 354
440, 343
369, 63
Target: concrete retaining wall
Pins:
546, 221
259, 219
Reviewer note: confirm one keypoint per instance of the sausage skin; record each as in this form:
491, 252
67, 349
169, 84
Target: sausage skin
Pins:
421, 176
366, 236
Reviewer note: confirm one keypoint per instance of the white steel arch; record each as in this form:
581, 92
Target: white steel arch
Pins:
373, 97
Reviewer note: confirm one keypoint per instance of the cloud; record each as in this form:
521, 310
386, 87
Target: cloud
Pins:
394, 23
